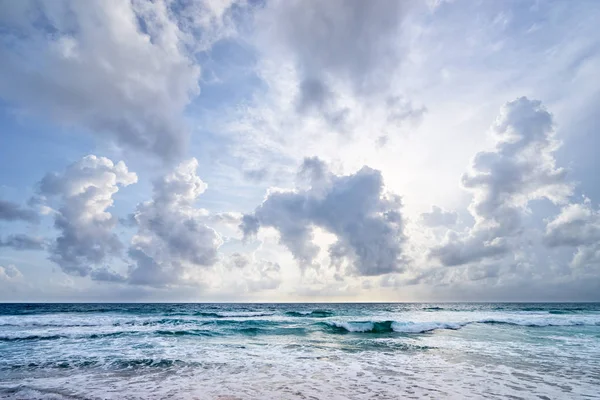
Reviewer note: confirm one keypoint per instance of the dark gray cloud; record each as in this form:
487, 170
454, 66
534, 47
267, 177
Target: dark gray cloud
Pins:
313, 94
355, 208
23, 242
351, 40
84, 191
316, 98
340, 47
103, 274
250, 225
119, 71
14, 212
172, 234
521, 168
457, 250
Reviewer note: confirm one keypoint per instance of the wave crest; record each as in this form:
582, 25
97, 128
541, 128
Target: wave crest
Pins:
391, 326
423, 327
310, 314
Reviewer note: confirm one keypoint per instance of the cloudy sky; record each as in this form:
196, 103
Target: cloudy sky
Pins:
342, 150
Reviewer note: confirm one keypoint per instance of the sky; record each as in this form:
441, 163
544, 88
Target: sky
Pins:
299, 150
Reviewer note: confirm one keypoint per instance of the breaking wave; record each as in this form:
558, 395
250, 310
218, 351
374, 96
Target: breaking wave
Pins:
423, 327
390, 327
311, 314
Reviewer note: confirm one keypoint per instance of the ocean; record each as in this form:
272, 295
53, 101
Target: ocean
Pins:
300, 351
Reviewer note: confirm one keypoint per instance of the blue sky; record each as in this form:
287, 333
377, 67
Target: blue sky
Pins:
299, 150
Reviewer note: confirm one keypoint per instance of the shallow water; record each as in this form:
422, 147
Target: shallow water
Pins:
299, 351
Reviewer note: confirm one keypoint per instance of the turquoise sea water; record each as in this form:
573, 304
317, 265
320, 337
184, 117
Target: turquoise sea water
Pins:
299, 351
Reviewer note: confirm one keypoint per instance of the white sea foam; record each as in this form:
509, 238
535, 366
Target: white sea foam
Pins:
420, 327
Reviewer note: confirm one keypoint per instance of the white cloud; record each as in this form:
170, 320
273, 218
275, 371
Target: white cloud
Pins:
503, 181
172, 236
119, 69
577, 225
85, 191
365, 219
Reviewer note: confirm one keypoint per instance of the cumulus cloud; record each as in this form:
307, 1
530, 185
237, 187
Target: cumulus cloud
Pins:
85, 191
365, 219
23, 242
172, 234
503, 181
121, 69
577, 225
10, 211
